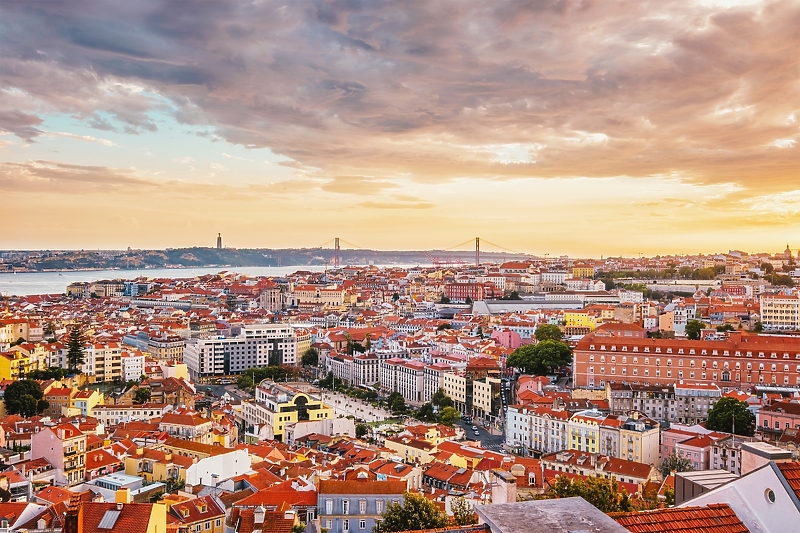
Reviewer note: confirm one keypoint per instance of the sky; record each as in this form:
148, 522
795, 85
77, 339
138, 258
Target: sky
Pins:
573, 127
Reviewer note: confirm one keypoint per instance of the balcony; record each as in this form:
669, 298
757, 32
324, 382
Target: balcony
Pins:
70, 451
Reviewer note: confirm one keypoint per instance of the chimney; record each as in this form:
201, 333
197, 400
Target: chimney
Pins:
122, 496
258, 515
74, 516
289, 515
139, 451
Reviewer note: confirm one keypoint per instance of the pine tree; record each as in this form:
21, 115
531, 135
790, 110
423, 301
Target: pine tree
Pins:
75, 349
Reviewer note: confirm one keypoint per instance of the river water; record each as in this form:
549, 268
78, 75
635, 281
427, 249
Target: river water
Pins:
26, 283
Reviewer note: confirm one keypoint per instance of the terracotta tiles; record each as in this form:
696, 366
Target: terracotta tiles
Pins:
716, 518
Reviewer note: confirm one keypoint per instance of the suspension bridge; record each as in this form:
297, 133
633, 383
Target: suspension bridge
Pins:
445, 257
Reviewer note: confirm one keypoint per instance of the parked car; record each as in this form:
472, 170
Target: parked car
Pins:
474, 428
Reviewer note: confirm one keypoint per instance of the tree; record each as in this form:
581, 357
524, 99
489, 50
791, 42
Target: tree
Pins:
675, 463
693, 329
361, 430
731, 416
396, 402
539, 359
605, 494
310, 357
75, 349
395, 297
444, 300
425, 413
463, 512
24, 397
767, 268
548, 332
468, 300
415, 513
448, 416
669, 496
440, 399
142, 395
299, 528
442, 327
758, 327
725, 327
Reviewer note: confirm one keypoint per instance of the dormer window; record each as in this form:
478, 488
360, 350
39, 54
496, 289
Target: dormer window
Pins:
624, 348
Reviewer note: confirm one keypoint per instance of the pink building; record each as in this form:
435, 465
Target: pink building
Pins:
774, 419
507, 338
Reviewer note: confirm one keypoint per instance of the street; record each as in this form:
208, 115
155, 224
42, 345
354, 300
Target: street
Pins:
488, 440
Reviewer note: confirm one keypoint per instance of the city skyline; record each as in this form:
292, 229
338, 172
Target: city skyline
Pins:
550, 127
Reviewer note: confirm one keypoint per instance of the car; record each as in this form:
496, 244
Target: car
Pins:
474, 428
477, 434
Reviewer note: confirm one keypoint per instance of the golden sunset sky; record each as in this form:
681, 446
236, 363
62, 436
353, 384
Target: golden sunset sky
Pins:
574, 127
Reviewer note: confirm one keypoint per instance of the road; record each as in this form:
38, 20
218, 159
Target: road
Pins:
488, 440
219, 390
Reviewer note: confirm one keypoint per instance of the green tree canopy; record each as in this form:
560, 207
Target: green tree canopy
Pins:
142, 395
75, 349
547, 356
731, 416
605, 494
310, 357
361, 430
440, 399
425, 413
547, 332
463, 512
396, 402
415, 513
676, 463
693, 329
448, 416
24, 397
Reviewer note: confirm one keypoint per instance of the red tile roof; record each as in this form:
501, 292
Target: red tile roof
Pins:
716, 518
362, 486
791, 471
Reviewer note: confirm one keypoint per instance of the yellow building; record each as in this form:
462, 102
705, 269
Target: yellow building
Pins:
276, 406
12, 364
157, 465
580, 319
411, 449
82, 402
584, 431
583, 271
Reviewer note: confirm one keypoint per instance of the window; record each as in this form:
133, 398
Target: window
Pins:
345, 525
362, 507
345, 506
362, 524
328, 506
329, 523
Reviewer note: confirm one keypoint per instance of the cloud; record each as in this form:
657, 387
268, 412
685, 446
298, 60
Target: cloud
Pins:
359, 185
432, 91
88, 138
56, 177
20, 124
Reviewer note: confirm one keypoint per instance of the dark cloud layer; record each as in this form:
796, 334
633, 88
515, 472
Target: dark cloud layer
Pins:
427, 89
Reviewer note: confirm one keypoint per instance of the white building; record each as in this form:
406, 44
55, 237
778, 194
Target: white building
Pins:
258, 345
780, 312
132, 365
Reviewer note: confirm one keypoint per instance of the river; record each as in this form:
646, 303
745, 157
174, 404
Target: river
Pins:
27, 283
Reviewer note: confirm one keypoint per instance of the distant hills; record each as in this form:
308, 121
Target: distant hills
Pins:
33, 261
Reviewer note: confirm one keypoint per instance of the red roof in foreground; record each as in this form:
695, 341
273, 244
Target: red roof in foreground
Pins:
716, 518
791, 471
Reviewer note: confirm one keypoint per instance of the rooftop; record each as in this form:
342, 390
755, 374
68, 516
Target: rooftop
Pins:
564, 515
